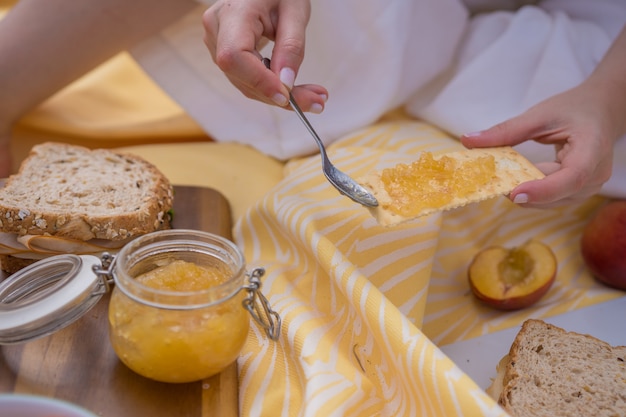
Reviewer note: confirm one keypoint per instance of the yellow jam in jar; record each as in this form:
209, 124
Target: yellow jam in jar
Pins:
178, 343
433, 183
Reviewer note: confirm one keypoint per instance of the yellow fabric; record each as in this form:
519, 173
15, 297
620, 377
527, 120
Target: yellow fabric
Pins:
361, 304
453, 314
114, 100
114, 105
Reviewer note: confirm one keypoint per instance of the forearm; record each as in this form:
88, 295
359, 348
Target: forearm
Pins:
608, 81
46, 44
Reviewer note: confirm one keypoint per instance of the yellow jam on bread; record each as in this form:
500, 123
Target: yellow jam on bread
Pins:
432, 183
178, 344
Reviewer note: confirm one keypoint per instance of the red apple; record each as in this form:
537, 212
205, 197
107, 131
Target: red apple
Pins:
603, 244
510, 279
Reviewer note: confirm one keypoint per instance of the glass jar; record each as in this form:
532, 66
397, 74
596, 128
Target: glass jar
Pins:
179, 310
176, 313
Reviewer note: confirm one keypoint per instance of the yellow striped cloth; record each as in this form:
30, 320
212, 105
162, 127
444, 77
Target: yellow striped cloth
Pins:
363, 306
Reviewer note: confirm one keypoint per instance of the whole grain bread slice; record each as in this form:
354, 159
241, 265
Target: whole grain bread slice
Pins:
511, 169
550, 372
74, 192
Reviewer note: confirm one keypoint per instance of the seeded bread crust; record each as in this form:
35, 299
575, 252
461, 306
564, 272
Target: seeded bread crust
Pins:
74, 192
551, 372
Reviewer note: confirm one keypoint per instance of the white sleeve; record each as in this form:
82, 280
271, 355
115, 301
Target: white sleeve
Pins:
371, 55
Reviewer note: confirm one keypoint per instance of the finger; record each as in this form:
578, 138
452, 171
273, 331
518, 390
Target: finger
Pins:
561, 183
210, 24
310, 97
289, 42
548, 167
233, 46
508, 133
556, 204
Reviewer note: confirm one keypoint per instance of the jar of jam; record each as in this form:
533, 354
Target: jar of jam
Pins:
176, 313
180, 304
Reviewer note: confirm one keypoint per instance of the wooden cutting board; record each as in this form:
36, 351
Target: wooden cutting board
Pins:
77, 364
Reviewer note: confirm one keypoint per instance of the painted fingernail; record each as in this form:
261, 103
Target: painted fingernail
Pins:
287, 77
316, 108
520, 198
280, 100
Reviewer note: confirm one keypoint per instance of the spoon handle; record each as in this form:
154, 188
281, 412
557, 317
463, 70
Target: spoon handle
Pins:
340, 180
303, 118
306, 122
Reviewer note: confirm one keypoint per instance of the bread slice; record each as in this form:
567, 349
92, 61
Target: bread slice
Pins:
72, 192
550, 372
511, 169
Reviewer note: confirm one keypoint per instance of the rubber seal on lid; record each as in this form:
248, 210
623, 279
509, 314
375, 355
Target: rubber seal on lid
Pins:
47, 296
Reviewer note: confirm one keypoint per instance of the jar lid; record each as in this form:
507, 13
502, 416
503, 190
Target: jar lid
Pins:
47, 296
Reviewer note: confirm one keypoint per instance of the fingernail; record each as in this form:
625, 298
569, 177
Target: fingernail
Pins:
316, 108
280, 99
520, 198
287, 77
324, 97
472, 134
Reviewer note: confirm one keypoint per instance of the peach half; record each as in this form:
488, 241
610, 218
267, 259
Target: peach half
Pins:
511, 279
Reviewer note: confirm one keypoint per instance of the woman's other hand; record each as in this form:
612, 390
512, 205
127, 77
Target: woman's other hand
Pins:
582, 124
584, 148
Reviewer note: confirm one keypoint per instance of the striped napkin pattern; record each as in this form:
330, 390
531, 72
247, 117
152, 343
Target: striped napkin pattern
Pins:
364, 306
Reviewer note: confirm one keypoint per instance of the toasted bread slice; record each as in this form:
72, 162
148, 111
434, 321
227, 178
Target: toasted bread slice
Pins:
511, 169
82, 194
550, 372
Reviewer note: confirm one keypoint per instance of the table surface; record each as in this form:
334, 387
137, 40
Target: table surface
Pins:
78, 364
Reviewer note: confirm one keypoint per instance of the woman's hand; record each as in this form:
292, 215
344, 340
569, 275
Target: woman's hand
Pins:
235, 30
582, 134
582, 123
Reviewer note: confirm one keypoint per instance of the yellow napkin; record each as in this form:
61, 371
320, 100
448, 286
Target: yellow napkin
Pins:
351, 295
115, 100
362, 304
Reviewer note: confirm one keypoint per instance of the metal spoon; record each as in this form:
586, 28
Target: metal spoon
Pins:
340, 180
